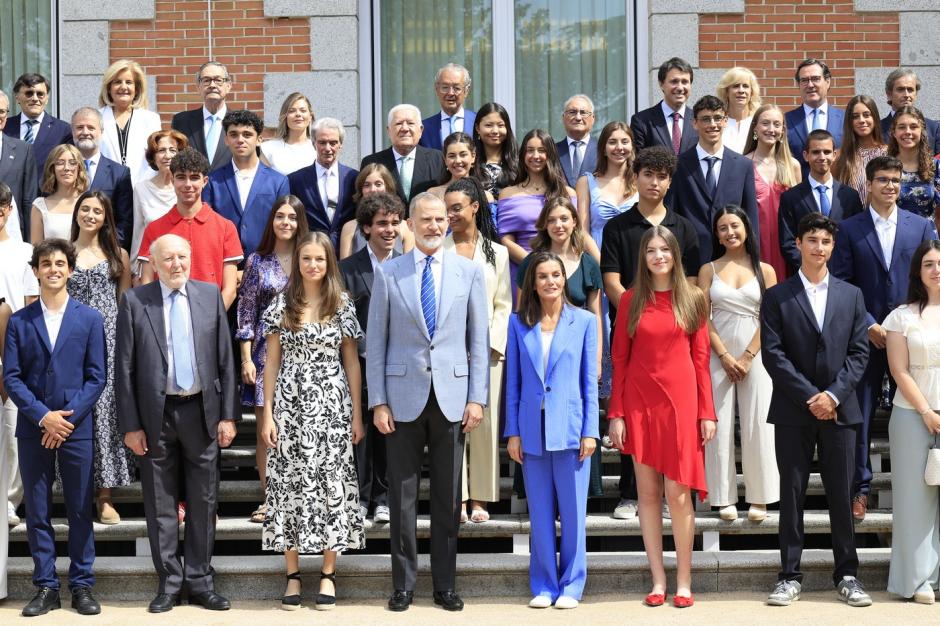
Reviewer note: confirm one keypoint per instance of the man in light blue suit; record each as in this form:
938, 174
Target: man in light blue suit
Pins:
551, 423
244, 191
451, 85
814, 78
427, 373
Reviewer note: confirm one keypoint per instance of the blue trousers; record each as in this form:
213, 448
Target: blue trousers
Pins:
557, 482
37, 467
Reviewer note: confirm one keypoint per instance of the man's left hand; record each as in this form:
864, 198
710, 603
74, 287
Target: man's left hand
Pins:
226, 433
472, 416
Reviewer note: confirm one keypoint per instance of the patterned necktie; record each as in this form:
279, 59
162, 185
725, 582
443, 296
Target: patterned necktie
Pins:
180, 340
212, 136
676, 133
30, 137
576, 161
711, 181
817, 122
824, 206
404, 175
428, 306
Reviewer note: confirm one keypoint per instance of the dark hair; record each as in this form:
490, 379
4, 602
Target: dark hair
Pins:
555, 181
925, 166
471, 187
451, 139
916, 292
815, 221
820, 134
31, 79
656, 159
530, 307
268, 238
107, 234
883, 162
509, 150
331, 291
751, 243
6, 195
48, 247
190, 160
378, 202
708, 103
629, 178
806, 63
844, 167
154, 139
242, 117
675, 63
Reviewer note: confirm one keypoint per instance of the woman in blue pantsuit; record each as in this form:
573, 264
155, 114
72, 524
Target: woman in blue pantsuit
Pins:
551, 423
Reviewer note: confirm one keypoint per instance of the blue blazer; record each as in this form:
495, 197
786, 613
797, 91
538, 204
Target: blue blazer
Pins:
799, 201
651, 128
689, 197
114, 180
796, 131
431, 135
70, 377
588, 163
221, 192
51, 133
568, 386
303, 184
803, 359
858, 259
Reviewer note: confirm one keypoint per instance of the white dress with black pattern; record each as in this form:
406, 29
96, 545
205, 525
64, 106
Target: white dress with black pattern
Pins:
312, 491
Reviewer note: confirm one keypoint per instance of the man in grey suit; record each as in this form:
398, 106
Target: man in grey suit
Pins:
18, 171
427, 371
176, 411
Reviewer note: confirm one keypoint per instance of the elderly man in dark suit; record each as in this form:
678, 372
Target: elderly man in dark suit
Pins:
18, 170
814, 79
578, 150
414, 167
901, 89
176, 411
33, 125
668, 123
814, 342
203, 126
451, 86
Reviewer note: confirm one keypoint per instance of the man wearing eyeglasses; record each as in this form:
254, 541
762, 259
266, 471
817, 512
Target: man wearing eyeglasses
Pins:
203, 126
451, 85
814, 78
33, 125
578, 150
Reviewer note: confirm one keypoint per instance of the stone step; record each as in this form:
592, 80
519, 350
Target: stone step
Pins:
478, 575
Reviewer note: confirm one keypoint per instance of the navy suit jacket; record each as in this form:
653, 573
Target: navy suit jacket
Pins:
70, 376
588, 163
431, 135
428, 167
689, 197
221, 193
52, 132
651, 128
303, 184
933, 132
858, 259
803, 359
192, 124
799, 201
796, 131
114, 180
18, 170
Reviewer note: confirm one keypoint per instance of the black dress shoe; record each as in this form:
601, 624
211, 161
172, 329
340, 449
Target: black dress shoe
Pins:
210, 600
45, 600
400, 600
449, 600
84, 602
164, 602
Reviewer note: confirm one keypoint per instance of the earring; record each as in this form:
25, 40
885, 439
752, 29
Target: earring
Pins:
755, 135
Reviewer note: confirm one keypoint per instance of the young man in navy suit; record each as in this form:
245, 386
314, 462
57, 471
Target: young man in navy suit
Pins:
578, 150
814, 78
33, 125
710, 176
901, 89
451, 86
873, 252
814, 344
668, 123
54, 370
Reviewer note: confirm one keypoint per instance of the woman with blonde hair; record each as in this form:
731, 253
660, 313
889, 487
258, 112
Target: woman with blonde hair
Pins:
292, 148
739, 90
126, 122
64, 179
861, 142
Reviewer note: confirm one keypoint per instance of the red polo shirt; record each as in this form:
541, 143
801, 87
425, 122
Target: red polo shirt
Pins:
213, 238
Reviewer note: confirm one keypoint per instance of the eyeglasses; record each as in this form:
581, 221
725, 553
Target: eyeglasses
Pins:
805, 80
454, 89
33, 93
711, 119
578, 112
885, 180
63, 164
214, 80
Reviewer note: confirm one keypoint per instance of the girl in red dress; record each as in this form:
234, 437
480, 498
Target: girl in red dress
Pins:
661, 408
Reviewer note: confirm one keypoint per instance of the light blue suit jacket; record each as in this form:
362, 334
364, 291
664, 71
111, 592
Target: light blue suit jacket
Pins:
404, 360
568, 386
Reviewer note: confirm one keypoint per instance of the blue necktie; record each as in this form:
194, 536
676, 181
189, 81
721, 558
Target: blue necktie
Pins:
711, 181
447, 128
576, 161
824, 206
182, 361
212, 136
428, 306
30, 138
817, 122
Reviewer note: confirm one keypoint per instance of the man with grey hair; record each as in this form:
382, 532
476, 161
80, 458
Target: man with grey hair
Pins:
18, 170
451, 85
901, 89
327, 187
104, 175
203, 126
34, 124
578, 150
414, 167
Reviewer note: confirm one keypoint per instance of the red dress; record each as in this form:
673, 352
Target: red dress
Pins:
661, 389
768, 202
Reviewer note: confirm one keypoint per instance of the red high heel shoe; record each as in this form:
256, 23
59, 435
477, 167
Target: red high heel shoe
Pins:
683, 602
655, 599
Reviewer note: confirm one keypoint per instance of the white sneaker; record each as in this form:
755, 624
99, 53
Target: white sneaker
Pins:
381, 514
566, 602
852, 593
925, 595
625, 509
728, 513
785, 592
12, 518
540, 602
757, 512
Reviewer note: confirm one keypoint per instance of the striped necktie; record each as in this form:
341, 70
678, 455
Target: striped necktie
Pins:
428, 306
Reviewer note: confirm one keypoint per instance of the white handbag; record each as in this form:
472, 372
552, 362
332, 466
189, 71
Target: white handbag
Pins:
932, 469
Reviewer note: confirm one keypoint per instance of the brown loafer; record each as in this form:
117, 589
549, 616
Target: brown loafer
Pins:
859, 507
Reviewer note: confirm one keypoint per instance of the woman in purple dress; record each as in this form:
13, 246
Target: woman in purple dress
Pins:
266, 274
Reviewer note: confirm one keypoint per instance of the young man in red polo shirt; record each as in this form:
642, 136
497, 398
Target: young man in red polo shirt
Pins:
216, 249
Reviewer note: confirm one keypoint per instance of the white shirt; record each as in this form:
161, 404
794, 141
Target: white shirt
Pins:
886, 229
823, 116
329, 187
23, 126
700, 151
437, 271
53, 319
547, 336
813, 183
244, 179
17, 280
219, 116
668, 111
182, 301
456, 123
376, 261
818, 296
287, 158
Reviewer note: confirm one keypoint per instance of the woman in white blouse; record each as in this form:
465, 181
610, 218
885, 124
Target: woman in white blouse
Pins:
293, 148
64, 178
914, 358
154, 196
739, 90
126, 121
